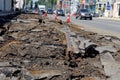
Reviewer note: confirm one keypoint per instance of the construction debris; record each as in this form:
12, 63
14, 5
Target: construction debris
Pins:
34, 48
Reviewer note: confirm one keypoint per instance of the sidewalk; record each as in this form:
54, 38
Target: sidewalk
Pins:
6, 13
110, 18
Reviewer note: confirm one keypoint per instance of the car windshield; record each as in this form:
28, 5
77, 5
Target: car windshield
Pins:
60, 10
84, 10
49, 9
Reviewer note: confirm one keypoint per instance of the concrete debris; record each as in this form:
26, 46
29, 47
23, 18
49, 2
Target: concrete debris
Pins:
116, 41
73, 34
103, 49
1, 39
4, 64
13, 21
54, 50
111, 67
42, 74
108, 38
37, 30
85, 43
23, 21
2, 77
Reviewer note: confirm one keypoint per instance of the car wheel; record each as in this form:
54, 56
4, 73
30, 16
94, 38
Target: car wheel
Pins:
76, 17
80, 17
90, 18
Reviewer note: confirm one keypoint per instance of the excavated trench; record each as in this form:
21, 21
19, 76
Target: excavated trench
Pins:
33, 48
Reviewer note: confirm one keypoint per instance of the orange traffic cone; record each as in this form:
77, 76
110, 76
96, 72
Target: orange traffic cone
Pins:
68, 19
74, 14
55, 17
45, 14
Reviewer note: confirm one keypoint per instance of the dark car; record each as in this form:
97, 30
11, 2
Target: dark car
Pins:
60, 12
83, 13
50, 11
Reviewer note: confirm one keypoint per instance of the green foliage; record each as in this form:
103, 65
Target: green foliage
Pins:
48, 3
41, 2
27, 1
36, 5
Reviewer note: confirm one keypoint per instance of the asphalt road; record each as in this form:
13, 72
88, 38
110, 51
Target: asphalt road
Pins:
99, 25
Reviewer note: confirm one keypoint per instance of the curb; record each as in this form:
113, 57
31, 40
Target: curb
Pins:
109, 18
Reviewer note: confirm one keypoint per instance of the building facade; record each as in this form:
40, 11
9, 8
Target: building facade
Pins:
6, 5
74, 6
88, 4
65, 5
107, 8
116, 10
110, 8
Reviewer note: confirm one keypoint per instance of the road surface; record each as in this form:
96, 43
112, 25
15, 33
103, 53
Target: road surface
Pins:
98, 25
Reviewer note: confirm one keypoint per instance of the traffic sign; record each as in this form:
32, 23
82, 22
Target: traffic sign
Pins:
108, 6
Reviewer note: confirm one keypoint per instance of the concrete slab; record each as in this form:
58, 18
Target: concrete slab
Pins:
111, 67
102, 49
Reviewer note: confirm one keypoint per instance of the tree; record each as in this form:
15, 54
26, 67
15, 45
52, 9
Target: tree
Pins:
27, 1
36, 5
41, 2
48, 3
31, 5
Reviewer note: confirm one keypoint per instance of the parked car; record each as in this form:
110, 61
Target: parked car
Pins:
83, 13
50, 11
60, 12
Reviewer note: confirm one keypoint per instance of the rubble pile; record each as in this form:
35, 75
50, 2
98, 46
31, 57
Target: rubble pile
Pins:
30, 50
